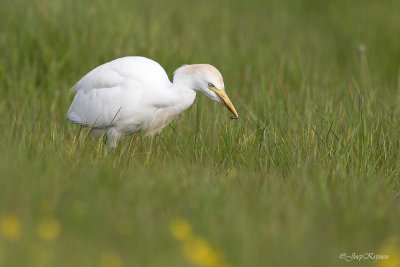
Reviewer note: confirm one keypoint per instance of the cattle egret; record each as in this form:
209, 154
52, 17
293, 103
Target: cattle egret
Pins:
131, 94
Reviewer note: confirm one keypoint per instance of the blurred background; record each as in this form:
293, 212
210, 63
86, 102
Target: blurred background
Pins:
309, 171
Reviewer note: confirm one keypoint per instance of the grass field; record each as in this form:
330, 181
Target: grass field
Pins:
309, 171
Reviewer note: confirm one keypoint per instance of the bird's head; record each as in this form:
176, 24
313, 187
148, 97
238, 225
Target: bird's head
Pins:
206, 79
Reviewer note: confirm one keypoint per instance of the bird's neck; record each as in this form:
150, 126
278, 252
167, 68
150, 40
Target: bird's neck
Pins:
185, 84
185, 93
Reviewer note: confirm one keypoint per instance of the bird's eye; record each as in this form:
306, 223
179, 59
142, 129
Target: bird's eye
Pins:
210, 85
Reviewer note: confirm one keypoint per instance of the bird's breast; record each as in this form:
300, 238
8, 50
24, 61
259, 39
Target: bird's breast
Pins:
161, 119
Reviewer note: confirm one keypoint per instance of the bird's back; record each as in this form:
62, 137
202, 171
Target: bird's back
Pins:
143, 70
112, 89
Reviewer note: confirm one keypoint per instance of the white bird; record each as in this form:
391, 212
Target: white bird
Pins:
130, 94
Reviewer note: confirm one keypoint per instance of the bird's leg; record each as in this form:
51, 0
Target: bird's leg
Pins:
113, 136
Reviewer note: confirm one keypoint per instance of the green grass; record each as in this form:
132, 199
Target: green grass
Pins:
309, 171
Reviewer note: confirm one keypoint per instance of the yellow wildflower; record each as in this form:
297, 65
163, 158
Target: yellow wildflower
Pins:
10, 227
110, 259
196, 249
181, 229
393, 252
48, 228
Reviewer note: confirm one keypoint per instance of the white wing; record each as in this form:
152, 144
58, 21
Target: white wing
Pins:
120, 89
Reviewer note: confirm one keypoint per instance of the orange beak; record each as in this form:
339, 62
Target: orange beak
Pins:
226, 101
